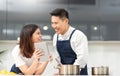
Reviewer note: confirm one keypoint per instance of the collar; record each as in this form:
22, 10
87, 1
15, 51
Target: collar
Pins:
67, 34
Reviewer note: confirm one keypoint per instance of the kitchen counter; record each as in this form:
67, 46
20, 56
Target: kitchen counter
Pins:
56, 75
65, 75
82, 75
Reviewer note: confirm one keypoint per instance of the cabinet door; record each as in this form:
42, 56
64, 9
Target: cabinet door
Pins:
10, 32
17, 30
2, 31
3, 19
110, 31
94, 32
13, 31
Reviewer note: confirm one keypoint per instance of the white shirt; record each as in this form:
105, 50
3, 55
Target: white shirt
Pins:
19, 59
79, 44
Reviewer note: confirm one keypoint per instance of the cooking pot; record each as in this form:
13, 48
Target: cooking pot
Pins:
69, 69
100, 70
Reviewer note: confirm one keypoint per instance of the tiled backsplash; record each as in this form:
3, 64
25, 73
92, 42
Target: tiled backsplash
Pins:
101, 53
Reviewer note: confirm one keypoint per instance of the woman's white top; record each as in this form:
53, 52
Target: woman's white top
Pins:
19, 59
79, 44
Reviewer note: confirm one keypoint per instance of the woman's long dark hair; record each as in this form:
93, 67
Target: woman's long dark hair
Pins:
26, 44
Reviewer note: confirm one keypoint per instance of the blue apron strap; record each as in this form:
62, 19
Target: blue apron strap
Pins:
15, 69
71, 34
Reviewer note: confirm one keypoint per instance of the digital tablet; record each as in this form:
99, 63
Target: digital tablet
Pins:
43, 45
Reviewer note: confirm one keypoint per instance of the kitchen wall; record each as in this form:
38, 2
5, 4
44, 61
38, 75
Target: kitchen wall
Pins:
101, 53
96, 18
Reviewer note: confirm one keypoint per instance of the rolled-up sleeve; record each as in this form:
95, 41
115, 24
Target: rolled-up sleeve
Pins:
79, 44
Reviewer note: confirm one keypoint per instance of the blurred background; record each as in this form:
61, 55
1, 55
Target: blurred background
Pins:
98, 19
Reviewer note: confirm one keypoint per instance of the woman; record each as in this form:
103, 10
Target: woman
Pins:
25, 55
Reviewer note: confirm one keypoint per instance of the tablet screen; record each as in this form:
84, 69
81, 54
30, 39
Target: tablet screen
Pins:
43, 45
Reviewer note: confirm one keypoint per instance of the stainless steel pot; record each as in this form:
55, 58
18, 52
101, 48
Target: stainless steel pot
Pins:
69, 69
100, 70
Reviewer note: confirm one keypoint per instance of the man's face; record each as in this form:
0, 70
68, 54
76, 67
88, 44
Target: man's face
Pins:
58, 24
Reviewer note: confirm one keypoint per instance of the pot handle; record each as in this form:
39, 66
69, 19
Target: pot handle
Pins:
57, 67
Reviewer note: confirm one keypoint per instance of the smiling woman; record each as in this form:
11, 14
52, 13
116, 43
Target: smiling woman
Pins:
25, 55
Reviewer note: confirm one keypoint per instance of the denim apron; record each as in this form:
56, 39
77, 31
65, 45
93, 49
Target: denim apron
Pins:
15, 69
67, 55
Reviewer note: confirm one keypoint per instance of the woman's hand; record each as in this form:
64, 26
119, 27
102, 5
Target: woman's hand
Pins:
37, 54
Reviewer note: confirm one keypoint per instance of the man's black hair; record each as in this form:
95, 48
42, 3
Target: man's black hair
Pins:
62, 13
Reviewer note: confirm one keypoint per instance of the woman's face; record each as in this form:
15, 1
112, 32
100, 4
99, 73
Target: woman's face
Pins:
36, 37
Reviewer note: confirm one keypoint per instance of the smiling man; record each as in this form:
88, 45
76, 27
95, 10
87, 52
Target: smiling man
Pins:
71, 44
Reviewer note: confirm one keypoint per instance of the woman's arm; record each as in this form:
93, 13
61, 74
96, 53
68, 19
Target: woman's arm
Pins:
29, 70
41, 67
32, 69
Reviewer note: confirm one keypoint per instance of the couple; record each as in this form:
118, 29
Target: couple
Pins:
71, 46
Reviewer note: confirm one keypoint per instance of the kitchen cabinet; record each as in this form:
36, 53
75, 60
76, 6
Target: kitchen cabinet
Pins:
17, 30
96, 18
93, 32
13, 17
110, 32
13, 31
100, 32
2, 31
10, 32
3, 15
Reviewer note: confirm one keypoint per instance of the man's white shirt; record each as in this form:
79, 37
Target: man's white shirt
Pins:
79, 44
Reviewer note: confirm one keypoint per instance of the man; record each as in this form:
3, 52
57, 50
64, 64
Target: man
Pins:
70, 43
